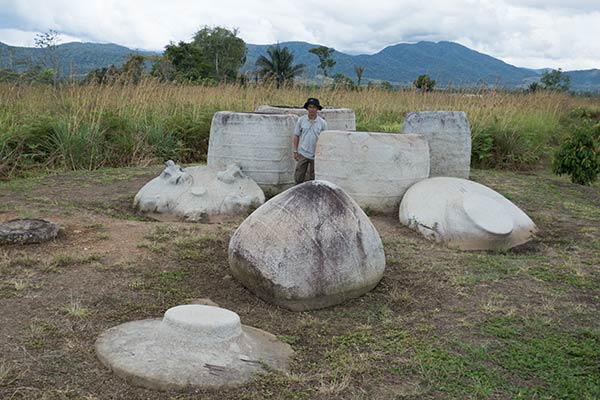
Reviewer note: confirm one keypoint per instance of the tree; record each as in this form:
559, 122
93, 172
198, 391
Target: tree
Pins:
103, 76
325, 60
49, 41
424, 83
279, 66
341, 81
182, 62
359, 70
556, 80
223, 50
133, 69
533, 87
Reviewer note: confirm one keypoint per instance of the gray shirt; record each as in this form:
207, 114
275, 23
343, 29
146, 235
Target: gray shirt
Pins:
308, 132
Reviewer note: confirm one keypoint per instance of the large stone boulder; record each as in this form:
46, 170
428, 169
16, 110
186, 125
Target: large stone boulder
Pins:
337, 118
374, 168
464, 214
199, 193
309, 247
260, 143
449, 137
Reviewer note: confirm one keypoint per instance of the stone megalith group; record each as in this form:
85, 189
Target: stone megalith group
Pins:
310, 246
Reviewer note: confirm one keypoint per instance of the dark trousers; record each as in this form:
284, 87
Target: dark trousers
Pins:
305, 170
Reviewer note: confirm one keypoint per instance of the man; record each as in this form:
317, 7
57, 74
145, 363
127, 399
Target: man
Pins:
308, 129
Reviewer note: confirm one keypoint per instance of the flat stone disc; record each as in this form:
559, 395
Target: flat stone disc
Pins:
488, 214
27, 230
193, 346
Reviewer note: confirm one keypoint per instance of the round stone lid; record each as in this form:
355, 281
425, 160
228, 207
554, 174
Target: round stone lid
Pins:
488, 214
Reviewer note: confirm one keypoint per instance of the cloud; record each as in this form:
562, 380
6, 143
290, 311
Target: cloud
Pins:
532, 33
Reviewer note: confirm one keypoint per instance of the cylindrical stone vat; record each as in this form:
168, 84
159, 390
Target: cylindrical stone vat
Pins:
337, 118
374, 168
449, 136
260, 143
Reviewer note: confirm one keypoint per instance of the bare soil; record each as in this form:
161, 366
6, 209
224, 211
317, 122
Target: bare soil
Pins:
110, 265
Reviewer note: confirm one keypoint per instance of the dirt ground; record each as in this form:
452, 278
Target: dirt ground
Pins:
433, 307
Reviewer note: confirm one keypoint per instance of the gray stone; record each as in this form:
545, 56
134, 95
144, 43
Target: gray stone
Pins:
465, 215
449, 137
374, 168
309, 247
27, 230
193, 346
199, 193
342, 119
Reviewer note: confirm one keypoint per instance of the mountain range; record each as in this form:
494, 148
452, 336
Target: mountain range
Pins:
449, 63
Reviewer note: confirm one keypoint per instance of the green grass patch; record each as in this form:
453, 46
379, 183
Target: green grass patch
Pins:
554, 364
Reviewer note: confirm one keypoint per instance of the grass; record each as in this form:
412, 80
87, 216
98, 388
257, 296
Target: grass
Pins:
75, 309
89, 127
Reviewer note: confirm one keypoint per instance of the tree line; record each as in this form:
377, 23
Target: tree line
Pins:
216, 55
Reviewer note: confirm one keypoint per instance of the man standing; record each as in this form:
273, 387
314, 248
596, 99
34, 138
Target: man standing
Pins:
308, 129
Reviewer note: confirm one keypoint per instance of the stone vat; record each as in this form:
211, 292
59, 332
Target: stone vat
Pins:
374, 168
449, 136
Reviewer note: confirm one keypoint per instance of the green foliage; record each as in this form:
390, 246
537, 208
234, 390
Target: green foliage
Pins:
578, 156
533, 87
133, 69
424, 83
359, 71
556, 80
183, 62
325, 61
279, 66
341, 81
103, 76
222, 50
496, 146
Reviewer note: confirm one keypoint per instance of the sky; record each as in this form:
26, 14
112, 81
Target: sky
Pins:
525, 33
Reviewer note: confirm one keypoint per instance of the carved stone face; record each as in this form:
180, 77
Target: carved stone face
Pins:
174, 174
197, 193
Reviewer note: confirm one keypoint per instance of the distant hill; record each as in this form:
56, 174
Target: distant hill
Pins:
446, 62
450, 64
76, 58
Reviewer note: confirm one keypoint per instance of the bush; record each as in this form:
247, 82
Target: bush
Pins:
495, 147
578, 155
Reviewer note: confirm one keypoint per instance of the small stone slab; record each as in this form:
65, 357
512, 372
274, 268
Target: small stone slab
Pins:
27, 230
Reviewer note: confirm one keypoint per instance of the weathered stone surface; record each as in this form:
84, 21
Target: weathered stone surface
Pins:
309, 247
199, 193
193, 346
449, 137
260, 143
374, 168
27, 230
465, 215
337, 118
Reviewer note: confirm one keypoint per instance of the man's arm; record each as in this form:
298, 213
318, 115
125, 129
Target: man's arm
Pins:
296, 142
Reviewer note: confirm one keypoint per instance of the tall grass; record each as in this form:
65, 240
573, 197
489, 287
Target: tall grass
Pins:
86, 127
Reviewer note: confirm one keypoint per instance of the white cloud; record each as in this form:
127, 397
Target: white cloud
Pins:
528, 33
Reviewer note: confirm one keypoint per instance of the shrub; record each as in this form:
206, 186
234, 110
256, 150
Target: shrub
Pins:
578, 155
495, 147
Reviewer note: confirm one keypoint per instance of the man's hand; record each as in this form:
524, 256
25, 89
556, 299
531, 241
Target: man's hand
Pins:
296, 155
